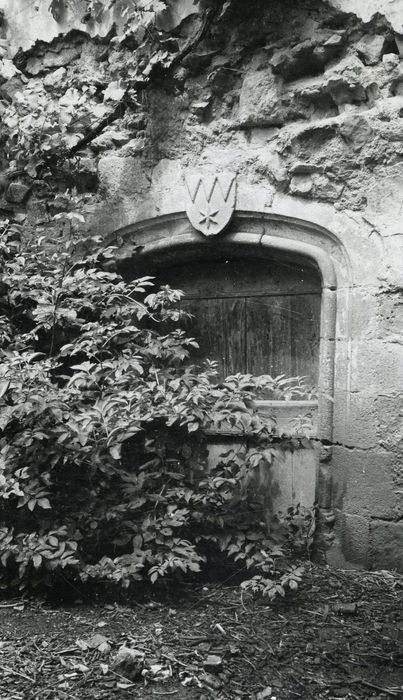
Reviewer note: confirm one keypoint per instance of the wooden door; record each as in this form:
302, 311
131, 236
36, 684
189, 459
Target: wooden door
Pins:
261, 317
252, 316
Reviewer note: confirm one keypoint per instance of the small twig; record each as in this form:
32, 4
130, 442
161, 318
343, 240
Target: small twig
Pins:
373, 686
342, 623
47, 688
173, 659
250, 663
10, 605
368, 684
119, 675
17, 673
198, 640
209, 16
208, 20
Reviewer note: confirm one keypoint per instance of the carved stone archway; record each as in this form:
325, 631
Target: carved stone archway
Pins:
171, 238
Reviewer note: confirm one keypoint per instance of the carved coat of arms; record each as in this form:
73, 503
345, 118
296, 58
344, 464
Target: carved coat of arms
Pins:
211, 201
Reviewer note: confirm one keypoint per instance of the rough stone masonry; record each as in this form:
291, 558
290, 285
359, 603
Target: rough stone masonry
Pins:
304, 102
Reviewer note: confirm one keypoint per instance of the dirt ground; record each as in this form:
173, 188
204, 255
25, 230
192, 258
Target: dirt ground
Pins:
339, 636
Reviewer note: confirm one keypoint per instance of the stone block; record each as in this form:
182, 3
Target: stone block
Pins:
167, 174
111, 138
272, 165
363, 482
133, 148
364, 305
103, 142
122, 176
376, 365
343, 313
390, 314
386, 545
298, 61
326, 189
382, 193
328, 314
291, 480
389, 414
350, 548
390, 61
358, 426
356, 131
342, 365
262, 101
303, 168
254, 198
367, 258
367, 420
201, 109
369, 313
370, 48
306, 58
344, 82
301, 185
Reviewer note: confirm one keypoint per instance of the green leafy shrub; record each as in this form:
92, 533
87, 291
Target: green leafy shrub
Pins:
104, 426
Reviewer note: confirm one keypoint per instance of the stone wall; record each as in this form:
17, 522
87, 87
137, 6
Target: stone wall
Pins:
304, 101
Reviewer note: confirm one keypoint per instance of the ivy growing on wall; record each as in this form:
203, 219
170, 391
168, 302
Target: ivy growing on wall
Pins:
44, 127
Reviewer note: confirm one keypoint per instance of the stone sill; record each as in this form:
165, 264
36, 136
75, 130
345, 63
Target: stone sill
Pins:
284, 411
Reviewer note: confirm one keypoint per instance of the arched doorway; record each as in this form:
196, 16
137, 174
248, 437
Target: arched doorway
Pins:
307, 256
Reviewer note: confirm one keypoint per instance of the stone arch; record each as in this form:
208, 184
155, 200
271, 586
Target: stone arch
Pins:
171, 238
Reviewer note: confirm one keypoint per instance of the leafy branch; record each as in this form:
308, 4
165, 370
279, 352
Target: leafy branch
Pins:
58, 129
156, 70
104, 425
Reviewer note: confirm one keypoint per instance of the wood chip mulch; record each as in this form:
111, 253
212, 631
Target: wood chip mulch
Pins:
340, 636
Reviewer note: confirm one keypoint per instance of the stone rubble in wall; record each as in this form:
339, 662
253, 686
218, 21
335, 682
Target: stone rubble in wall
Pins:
321, 142
320, 117
329, 99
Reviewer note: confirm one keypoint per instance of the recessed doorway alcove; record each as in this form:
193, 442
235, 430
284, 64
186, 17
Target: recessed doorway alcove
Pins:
263, 296
251, 315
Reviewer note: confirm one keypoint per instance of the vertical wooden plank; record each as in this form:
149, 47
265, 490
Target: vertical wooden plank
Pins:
234, 328
306, 336
218, 325
282, 328
268, 328
206, 326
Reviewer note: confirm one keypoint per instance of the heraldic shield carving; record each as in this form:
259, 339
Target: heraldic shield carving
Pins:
211, 202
